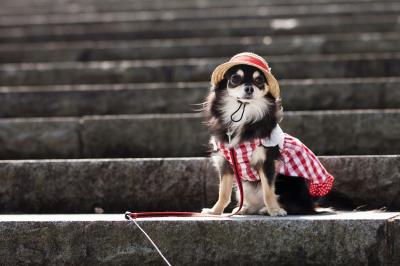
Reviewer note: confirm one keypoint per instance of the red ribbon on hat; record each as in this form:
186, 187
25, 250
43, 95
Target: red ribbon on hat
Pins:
251, 59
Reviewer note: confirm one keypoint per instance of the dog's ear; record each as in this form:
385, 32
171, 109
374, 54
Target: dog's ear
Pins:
279, 110
220, 86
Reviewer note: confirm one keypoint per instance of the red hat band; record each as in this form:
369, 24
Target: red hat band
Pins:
251, 60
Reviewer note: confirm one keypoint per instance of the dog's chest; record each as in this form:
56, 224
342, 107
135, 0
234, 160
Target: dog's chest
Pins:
248, 153
245, 153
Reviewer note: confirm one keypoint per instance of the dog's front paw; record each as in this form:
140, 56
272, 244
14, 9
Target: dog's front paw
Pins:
210, 211
277, 211
263, 211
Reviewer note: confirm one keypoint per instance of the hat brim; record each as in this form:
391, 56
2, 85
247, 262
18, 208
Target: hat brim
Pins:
219, 72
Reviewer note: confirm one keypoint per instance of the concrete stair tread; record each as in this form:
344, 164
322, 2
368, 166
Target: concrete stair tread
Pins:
201, 84
180, 70
350, 216
343, 239
168, 24
186, 184
185, 29
372, 42
184, 97
144, 135
183, 61
195, 3
221, 41
340, 20
15, 8
260, 11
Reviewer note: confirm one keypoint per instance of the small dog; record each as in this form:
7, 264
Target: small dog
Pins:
280, 175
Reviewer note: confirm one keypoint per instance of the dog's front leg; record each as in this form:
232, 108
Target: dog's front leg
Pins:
224, 196
269, 196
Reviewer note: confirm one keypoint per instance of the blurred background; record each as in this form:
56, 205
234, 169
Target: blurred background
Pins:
99, 79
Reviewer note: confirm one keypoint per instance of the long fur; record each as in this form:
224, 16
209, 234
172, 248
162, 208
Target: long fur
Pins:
260, 118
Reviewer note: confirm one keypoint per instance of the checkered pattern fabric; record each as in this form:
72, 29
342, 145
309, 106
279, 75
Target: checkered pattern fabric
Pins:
297, 160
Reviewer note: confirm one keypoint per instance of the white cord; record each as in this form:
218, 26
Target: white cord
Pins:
151, 241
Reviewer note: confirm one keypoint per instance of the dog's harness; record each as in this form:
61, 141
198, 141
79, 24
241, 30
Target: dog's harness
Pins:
296, 160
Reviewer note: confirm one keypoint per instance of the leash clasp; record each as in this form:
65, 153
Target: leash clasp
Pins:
229, 133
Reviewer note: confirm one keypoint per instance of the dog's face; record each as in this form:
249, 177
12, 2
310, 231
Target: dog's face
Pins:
225, 109
246, 83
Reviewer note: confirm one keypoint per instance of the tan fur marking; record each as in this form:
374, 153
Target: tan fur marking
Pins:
270, 198
258, 157
224, 197
277, 164
266, 89
240, 72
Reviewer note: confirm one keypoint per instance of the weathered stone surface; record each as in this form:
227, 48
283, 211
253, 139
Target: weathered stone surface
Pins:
189, 70
187, 184
186, 135
39, 138
241, 12
368, 181
346, 132
200, 47
344, 239
71, 186
79, 100
144, 136
204, 28
393, 249
49, 243
50, 7
340, 94
102, 99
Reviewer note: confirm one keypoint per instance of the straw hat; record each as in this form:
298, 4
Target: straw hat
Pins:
250, 59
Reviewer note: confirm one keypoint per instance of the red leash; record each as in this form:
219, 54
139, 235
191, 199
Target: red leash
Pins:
136, 215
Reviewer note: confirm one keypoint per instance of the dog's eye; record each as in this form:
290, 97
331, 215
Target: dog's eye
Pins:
259, 80
236, 79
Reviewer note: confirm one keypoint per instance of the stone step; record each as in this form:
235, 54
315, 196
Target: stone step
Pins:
259, 11
355, 238
186, 184
80, 100
373, 42
189, 70
356, 132
58, 7
203, 28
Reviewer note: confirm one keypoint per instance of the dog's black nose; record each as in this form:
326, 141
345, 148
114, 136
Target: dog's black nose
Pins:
249, 89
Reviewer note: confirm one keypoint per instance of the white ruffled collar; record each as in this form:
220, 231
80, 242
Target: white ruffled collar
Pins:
277, 137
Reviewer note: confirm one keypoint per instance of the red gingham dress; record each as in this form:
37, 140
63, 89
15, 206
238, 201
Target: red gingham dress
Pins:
297, 160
